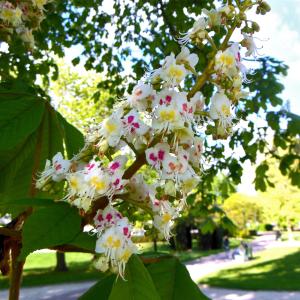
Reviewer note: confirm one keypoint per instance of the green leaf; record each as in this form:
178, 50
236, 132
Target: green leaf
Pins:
74, 139
101, 290
294, 124
227, 224
173, 281
208, 225
85, 241
138, 284
27, 153
50, 226
20, 115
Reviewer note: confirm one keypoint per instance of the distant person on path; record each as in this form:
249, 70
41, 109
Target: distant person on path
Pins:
226, 245
278, 234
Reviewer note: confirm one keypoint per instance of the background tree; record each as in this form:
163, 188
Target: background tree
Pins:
75, 93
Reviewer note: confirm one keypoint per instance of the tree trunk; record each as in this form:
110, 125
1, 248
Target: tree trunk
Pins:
61, 265
155, 244
16, 272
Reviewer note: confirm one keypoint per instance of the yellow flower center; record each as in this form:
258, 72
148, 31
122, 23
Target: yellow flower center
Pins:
98, 184
168, 115
176, 72
110, 127
74, 183
166, 218
110, 241
225, 110
227, 59
117, 243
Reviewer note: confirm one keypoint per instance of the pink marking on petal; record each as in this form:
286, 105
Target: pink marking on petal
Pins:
100, 218
168, 98
115, 165
125, 231
58, 167
90, 166
161, 154
184, 107
136, 125
116, 183
108, 217
119, 215
161, 102
130, 119
152, 157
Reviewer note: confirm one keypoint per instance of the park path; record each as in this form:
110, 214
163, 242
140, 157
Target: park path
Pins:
203, 266
198, 268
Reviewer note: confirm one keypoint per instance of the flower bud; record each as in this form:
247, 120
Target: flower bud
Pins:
265, 6
170, 188
103, 147
255, 26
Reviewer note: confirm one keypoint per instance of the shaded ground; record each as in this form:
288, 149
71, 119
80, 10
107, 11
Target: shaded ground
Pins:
226, 294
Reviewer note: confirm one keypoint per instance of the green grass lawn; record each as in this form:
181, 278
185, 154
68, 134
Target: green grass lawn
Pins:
273, 269
39, 270
39, 267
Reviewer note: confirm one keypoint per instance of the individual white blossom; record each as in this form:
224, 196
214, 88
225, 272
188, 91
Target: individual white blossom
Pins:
164, 217
220, 110
55, 170
197, 32
142, 97
171, 72
111, 129
185, 57
133, 126
249, 43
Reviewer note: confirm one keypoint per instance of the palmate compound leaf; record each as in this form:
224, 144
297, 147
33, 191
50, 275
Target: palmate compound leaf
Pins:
137, 285
50, 226
31, 132
166, 279
18, 118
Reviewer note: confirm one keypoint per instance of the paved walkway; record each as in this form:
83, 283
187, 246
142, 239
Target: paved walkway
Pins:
216, 262
197, 268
